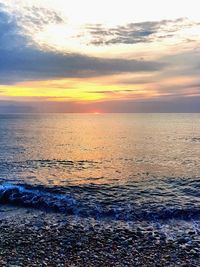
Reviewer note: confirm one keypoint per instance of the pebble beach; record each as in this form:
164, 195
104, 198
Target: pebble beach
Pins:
37, 238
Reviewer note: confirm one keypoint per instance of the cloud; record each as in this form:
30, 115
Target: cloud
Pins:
41, 16
139, 81
182, 64
21, 60
10, 36
33, 20
179, 90
32, 64
133, 33
113, 92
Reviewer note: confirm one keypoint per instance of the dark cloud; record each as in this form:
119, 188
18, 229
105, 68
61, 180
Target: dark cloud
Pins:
20, 60
31, 64
10, 36
113, 91
133, 33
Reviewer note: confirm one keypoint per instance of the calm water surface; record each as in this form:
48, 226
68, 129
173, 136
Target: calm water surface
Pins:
130, 166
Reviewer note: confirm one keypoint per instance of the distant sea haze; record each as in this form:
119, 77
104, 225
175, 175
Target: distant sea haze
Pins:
180, 105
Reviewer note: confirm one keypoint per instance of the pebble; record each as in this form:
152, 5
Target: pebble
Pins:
45, 242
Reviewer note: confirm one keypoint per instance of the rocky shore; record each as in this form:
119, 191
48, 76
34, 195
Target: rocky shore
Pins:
35, 238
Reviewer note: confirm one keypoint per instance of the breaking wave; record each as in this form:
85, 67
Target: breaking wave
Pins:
100, 204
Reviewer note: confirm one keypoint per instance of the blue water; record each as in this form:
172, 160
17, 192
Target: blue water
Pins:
129, 167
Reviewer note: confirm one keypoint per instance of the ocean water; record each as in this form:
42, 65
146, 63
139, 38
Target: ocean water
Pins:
126, 167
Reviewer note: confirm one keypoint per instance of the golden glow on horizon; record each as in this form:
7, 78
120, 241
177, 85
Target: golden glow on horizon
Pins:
90, 89
116, 87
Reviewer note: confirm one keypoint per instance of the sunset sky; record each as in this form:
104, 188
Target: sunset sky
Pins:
99, 56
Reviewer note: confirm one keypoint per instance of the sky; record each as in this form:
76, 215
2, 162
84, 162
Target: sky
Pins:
99, 56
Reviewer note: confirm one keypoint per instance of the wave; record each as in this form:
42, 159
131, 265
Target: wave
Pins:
20, 195
62, 201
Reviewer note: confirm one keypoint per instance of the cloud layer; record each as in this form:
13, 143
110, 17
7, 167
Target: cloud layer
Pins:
21, 60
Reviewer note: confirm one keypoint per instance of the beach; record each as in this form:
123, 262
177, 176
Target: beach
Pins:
36, 238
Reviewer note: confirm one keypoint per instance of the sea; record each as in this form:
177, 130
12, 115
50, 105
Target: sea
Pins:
116, 167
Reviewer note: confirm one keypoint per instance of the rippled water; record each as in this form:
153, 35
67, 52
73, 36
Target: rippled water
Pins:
122, 166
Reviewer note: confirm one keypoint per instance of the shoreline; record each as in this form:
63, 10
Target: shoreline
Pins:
36, 238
